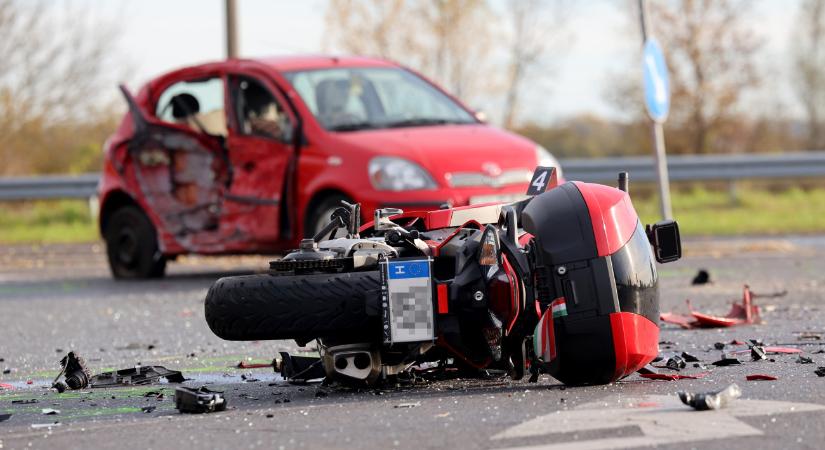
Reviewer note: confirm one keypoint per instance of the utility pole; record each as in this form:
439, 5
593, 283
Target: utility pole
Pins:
231, 29
657, 131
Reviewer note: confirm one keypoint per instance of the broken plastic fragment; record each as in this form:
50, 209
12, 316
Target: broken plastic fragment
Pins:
201, 400
136, 376
820, 371
702, 277
49, 411
711, 400
676, 363
727, 361
804, 360
743, 313
761, 377
300, 369
74, 371
5, 417
408, 405
672, 377
689, 358
758, 353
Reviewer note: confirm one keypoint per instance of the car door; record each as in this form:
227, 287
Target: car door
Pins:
261, 150
179, 163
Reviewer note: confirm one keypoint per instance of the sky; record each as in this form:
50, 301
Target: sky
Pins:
159, 35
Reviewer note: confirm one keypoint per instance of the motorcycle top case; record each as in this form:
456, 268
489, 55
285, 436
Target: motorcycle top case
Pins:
596, 284
407, 300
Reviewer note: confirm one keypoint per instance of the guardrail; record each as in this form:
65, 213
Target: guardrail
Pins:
682, 168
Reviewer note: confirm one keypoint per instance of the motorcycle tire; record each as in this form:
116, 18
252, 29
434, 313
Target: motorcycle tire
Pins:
300, 307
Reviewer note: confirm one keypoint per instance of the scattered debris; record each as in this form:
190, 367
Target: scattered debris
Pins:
4, 386
201, 400
321, 394
786, 350
148, 409
136, 376
719, 345
702, 277
689, 358
727, 360
408, 405
50, 412
248, 378
820, 371
74, 371
672, 377
5, 417
6, 371
711, 400
45, 425
761, 377
804, 360
758, 353
809, 335
246, 365
300, 369
24, 402
745, 313
676, 363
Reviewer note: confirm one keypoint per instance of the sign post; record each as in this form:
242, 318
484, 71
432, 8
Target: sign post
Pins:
657, 101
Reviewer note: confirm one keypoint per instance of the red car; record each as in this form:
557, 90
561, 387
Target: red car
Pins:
248, 156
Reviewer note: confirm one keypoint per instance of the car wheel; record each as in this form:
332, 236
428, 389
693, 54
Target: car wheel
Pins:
319, 214
132, 245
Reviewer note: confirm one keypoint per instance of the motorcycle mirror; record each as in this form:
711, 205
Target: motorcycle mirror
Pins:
665, 239
489, 253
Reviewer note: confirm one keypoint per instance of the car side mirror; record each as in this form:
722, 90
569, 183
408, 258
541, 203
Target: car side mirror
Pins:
666, 241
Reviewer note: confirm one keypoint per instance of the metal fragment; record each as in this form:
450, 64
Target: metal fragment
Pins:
711, 400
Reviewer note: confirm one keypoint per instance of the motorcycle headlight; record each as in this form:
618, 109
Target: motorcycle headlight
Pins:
397, 174
546, 159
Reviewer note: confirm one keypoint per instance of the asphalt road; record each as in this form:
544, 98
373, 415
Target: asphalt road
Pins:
59, 298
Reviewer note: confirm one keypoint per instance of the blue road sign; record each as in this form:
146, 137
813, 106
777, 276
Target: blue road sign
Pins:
657, 85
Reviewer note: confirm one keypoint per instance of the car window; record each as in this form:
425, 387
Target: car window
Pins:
197, 104
258, 111
348, 99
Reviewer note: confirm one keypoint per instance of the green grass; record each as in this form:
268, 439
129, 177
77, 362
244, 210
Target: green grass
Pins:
704, 212
47, 222
699, 211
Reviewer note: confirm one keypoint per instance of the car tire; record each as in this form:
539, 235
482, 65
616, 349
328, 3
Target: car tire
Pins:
132, 245
300, 307
319, 213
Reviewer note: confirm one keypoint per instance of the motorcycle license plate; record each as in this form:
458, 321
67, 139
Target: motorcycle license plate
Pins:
407, 300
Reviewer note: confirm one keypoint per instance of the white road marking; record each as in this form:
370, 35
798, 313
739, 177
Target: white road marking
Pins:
661, 419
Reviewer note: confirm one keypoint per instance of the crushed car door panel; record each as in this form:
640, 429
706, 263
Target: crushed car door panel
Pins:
180, 166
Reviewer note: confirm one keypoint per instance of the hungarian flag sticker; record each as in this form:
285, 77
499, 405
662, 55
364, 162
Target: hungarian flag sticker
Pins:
559, 307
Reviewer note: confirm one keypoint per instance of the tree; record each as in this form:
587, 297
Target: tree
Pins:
712, 60
53, 57
809, 69
449, 40
534, 25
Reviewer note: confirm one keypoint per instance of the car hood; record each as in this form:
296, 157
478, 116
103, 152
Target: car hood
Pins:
448, 149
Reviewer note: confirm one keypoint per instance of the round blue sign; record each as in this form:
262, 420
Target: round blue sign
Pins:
657, 85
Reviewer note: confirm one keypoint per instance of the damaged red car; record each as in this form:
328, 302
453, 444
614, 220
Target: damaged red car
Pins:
249, 156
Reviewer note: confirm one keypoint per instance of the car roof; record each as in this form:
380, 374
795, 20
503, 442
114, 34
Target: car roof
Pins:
311, 62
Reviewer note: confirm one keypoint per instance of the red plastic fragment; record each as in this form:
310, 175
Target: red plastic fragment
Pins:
786, 350
744, 313
7, 387
672, 377
760, 376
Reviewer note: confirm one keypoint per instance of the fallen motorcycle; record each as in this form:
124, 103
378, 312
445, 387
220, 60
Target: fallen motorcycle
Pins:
563, 282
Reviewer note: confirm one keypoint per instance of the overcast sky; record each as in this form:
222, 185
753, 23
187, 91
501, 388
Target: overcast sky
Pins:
158, 35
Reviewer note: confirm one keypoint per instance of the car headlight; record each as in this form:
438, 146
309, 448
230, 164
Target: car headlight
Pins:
397, 174
546, 159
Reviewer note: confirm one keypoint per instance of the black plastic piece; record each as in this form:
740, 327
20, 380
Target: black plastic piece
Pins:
136, 376
711, 400
666, 241
199, 401
300, 369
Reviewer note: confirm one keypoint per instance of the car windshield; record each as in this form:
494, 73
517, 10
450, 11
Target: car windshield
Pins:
351, 99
